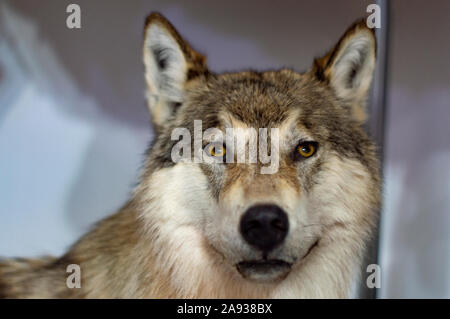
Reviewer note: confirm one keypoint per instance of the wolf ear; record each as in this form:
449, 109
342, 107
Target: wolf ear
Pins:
169, 64
348, 67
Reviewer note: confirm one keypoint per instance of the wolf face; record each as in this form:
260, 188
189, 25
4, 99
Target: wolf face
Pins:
225, 219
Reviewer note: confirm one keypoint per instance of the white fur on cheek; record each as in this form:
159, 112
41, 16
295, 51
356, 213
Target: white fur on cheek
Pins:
348, 220
179, 197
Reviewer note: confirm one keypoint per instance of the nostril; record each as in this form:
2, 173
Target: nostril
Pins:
278, 224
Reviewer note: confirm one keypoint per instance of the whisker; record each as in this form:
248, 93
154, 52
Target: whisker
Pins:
310, 225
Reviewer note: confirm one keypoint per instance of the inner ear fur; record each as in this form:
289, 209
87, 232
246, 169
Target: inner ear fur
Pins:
170, 62
348, 67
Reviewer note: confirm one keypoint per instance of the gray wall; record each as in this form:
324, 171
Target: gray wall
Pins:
415, 246
74, 126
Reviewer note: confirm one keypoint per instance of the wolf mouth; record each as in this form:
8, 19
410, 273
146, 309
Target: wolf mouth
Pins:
268, 269
264, 270
263, 265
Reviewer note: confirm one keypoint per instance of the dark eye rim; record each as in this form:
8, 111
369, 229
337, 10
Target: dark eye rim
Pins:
298, 156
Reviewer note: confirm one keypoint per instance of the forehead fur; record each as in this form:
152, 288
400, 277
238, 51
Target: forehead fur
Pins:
258, 99
268, 99
262, 99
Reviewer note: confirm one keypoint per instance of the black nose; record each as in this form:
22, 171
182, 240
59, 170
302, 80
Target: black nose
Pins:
264, 226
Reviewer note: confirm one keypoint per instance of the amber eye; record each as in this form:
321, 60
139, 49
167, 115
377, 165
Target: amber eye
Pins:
307, 149
217, 150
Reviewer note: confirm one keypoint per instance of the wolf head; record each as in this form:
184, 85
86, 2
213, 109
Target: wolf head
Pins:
215, 217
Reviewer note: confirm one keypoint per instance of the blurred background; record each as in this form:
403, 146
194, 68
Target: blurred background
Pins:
74, 124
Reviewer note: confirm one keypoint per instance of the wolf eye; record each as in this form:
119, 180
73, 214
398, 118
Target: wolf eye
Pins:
306, 149
217, 150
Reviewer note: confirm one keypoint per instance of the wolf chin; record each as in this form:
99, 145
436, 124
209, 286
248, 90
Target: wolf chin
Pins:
223, 230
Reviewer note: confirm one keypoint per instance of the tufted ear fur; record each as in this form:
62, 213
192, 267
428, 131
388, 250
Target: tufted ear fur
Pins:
169, 64
348, 67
